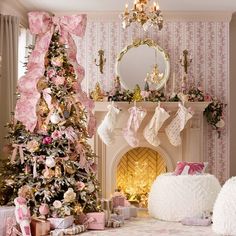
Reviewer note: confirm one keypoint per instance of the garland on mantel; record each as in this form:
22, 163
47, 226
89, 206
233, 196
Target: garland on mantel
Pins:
214, 112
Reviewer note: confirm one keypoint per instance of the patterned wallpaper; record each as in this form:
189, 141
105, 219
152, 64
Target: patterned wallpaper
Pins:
208, 43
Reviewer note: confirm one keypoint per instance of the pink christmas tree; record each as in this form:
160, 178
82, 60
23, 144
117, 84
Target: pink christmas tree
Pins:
51, 163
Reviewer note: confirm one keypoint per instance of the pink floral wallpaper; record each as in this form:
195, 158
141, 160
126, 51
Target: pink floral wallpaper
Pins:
208, 44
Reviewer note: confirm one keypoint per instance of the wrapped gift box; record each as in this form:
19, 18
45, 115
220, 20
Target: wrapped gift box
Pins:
61, 223
96, 220
118, 201
118, 218
74, 230
39, 227
124, 211
5, 212
133, 211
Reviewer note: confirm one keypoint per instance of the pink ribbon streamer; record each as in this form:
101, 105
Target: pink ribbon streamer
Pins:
14, 153
43, 25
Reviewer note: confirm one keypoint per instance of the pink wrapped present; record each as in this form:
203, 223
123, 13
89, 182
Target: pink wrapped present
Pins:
61, 223
118, 201
12, 228
96, 220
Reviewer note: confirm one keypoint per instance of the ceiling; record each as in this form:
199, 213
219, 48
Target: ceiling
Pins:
118, 5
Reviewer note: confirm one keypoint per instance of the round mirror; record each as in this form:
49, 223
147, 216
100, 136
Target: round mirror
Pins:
140, 60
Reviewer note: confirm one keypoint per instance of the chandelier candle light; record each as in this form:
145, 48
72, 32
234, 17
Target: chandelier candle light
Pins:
147, 16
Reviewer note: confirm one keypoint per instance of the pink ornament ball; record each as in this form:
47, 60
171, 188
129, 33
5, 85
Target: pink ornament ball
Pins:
44, 209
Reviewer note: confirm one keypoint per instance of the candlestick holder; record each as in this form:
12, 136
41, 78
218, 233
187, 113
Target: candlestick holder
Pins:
185, 61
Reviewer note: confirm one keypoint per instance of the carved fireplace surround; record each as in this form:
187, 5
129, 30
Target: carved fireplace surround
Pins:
191, 148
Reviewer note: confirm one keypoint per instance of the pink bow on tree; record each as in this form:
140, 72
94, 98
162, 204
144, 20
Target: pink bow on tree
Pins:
43, 25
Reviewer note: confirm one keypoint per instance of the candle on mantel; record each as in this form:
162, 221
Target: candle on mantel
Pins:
154, 6
165, 88
173, 85
126, 8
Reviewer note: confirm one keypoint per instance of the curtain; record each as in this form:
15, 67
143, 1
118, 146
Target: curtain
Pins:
9, 33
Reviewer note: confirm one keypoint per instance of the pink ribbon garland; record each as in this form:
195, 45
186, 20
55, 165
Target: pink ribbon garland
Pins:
43, 25
14, 153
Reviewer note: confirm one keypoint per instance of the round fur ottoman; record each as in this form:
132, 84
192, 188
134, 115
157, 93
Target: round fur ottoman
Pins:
224, 212
173, 198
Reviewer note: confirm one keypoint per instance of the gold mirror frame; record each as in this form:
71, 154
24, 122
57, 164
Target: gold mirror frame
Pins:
149, 43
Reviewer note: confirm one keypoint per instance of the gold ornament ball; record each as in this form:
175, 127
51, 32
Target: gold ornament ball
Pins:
42, 84
70, 168
78, 209
58, 173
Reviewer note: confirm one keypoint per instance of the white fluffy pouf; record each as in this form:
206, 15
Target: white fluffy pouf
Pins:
172, 198
224, 211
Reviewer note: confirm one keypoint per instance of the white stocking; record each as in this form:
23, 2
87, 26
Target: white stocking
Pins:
130, 132
106, 128
151, 130
177, 125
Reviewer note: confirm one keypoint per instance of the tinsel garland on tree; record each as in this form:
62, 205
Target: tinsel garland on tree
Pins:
53, 166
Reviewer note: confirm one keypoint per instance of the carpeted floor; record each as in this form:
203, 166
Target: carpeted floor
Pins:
152, 227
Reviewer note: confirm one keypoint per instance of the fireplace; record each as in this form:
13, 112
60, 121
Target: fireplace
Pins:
136, 171
110, 156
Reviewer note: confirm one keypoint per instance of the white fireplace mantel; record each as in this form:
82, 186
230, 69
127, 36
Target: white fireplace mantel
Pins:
191, 148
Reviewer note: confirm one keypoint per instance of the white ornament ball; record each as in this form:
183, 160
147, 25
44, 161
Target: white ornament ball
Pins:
55, 118
50, 162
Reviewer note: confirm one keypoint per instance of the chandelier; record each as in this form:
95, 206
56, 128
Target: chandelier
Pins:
155, 76
147, 16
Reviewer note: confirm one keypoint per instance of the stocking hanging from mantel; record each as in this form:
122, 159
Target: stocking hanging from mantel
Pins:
106, 128
136, 117
177, 125
151, 130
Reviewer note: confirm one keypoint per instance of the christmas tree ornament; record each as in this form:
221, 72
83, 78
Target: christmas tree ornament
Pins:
69, 168
42, 84
78, 209
58, 173
55, 118
177, 125
151, 130
44, 210
50, 162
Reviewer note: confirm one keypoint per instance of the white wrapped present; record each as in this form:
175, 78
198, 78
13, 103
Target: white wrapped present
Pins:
124, 211
61, 223
133, 211
5, 212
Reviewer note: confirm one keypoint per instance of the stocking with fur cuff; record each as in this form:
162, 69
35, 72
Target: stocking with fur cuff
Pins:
106, 128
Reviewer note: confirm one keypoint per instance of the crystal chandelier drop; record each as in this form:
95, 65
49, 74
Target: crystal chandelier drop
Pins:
147, 16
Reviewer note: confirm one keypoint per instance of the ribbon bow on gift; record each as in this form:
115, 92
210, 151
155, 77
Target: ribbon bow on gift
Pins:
43, 25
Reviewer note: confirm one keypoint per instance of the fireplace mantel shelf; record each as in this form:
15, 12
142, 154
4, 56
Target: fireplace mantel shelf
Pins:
150, 106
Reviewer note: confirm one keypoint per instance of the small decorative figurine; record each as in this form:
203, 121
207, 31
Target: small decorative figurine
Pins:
137, 93
117, 85
22, 215
97, 94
